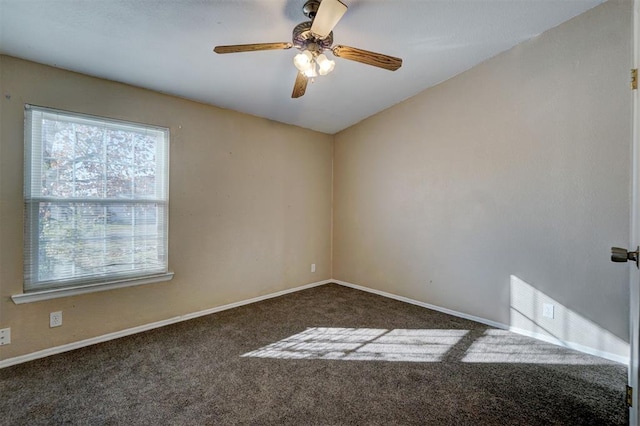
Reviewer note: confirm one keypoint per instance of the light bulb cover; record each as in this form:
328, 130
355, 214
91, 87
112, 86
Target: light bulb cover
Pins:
303, 61
311, 71
325, 65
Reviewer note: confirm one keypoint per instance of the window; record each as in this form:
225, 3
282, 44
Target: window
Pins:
96, 200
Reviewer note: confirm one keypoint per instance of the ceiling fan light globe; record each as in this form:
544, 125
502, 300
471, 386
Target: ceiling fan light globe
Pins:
302, 61
326, 68
311, 72
322, 58
325, 65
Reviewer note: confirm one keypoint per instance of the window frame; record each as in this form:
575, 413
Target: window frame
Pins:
33, 287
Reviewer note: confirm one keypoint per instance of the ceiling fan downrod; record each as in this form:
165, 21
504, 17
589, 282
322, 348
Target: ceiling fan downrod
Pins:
310, 8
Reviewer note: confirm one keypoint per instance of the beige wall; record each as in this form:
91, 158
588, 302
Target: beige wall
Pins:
250, 207
489, 194
502, 188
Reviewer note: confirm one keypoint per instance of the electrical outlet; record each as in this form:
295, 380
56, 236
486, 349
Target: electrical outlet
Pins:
55, 319
547, 310
5, 336
313, 267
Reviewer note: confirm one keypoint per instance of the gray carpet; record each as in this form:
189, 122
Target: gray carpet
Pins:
324, 356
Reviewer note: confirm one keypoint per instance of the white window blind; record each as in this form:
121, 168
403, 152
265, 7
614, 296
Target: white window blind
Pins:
96, 199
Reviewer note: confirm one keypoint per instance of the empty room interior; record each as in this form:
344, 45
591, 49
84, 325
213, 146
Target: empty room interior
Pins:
416, 236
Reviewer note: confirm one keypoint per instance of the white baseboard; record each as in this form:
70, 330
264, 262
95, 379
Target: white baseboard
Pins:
129, 331
424, 305
571, 345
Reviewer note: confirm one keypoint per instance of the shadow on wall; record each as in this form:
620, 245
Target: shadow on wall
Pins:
534, 313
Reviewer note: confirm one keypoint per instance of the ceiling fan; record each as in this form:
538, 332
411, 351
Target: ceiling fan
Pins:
312, 38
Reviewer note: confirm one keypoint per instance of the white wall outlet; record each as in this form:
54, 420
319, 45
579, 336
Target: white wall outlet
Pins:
547, 310
313, 267
5, 336
55, 319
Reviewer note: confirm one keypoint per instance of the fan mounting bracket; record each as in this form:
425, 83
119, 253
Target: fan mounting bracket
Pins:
304, 39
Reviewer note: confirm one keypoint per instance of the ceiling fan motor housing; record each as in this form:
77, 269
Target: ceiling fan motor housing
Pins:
303, 39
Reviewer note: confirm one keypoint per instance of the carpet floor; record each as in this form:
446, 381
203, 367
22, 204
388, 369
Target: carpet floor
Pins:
329, 355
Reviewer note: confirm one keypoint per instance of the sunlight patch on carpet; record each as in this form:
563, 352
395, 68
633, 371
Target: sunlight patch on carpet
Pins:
502, 346
364, 344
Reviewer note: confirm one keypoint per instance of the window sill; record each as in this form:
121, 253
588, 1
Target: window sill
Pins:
37, 296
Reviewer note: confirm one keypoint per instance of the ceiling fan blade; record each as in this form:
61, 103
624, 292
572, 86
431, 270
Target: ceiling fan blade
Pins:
328, 15
370, 58
300, 85
235, 48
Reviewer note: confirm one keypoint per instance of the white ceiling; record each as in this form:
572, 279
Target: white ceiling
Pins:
166, 45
